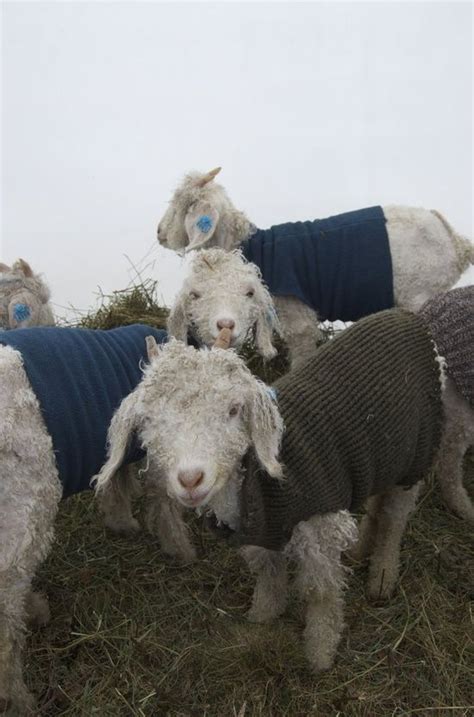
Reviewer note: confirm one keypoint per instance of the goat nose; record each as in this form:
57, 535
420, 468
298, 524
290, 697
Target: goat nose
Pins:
225, 324
190, 479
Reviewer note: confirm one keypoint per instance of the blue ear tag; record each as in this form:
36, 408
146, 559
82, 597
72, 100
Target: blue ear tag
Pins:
272, 392
204, 223
21, 312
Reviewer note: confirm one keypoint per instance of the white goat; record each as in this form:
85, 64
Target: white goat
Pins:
24, 297
24, 302
31, 483
427, 256
197, 413
223, 290
211, 299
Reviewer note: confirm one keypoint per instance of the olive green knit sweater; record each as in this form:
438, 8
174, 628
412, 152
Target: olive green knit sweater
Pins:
362, 415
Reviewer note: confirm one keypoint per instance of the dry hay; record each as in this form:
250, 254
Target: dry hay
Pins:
138, 304
135, 633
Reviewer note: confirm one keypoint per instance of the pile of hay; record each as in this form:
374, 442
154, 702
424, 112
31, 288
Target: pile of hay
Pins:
135, 633
138, 304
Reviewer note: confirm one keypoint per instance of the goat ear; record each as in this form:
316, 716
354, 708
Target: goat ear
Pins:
4, 268
177, 320
266, 429
200, 224
267, 323
122, 426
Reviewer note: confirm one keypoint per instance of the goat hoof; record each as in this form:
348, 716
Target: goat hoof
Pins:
37, 610
359, 552
5, 705
258, 617
8, 708
125, 527
187, 555
319, 663
378, 593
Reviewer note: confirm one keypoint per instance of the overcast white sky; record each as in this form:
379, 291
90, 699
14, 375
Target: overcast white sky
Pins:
312, 109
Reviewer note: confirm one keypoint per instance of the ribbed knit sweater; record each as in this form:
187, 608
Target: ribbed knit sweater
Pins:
361, 416
450, 317
80, 377
340, 266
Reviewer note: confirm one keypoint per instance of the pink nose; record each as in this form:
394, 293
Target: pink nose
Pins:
225, 324
190, 479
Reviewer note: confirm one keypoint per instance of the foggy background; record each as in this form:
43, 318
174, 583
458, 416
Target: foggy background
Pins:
311, 109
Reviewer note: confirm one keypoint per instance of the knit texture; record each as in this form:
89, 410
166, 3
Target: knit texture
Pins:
362, 415
450, 317
80, 377
340, 266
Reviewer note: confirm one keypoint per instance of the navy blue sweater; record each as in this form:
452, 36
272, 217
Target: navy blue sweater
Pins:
80, 378
340, 266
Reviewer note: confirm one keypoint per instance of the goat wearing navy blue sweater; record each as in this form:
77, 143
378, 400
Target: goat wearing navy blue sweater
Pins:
343, 267
59, 388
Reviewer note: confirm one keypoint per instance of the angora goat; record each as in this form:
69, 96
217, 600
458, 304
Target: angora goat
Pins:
24, 297
59, 388
363, 418
223, 290
344, 267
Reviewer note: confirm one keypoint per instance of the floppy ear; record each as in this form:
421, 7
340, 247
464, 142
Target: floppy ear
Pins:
177, 320
267, 322
23, 310
121, 429
200, 223
266, 429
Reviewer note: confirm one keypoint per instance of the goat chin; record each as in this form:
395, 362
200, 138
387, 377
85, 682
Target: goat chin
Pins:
225, 503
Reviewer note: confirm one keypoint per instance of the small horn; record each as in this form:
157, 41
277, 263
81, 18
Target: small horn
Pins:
151, 347
24, 267
208, 177
223, 339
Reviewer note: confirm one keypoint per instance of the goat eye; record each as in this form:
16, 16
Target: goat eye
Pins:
194, 295
250, 293
233, 410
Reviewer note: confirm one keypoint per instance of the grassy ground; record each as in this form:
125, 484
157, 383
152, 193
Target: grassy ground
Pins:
135, 633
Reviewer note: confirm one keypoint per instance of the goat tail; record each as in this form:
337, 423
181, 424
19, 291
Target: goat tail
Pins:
463, 247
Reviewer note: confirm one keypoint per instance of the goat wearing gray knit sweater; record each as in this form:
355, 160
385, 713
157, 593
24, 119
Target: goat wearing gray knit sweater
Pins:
363, 420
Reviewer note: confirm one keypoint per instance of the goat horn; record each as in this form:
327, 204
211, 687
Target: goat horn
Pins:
208, 177
24, 267
223, 339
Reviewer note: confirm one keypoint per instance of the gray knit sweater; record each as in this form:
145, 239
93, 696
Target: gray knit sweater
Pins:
361, 416
450, 318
